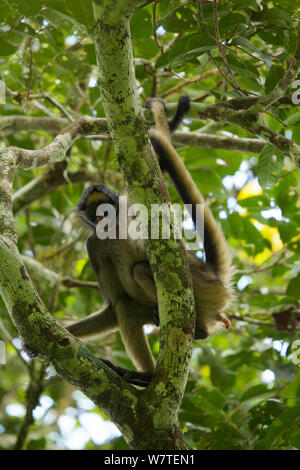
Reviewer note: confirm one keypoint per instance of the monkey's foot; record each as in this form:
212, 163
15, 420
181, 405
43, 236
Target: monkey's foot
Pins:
156, 316
135, 378
29, 351
225, 321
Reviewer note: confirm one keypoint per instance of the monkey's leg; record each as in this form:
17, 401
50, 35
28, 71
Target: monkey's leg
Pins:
100, 322
105, 321
133, 336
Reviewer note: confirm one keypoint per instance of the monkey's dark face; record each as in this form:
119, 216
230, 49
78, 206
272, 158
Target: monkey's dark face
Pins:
91, 199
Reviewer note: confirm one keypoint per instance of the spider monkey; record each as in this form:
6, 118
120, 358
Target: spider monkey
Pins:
123, 271
117, 264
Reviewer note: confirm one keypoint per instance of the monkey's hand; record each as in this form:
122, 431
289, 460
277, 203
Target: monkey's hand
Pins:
135, 378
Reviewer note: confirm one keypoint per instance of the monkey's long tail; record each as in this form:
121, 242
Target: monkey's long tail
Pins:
215, 246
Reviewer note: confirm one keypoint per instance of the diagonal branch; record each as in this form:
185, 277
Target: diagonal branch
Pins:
56, 151
52, 179
41, 332
249, 122
38, 271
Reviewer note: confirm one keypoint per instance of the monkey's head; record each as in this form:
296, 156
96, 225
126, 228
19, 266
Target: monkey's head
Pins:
91, 199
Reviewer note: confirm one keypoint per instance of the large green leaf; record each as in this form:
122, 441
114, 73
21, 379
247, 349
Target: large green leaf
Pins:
269, 165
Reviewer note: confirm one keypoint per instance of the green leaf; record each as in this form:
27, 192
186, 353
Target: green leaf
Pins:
82, 11
269, 166
232, 22
277, 16
214, 397
56, 18
227, 444
7, 47
296, 134
187, 49
242, 41
255, 391
179, 21
37, 444
295, 441
253, 4
274, 75
293, 120
29, 8
292, 390
141, 24
287, 231
166, 8
242, 68
25, 30
293, 288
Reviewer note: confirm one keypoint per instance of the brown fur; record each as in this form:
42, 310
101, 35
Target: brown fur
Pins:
211, 280
125, 276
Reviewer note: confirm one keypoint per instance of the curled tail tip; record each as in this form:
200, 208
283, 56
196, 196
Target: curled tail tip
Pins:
184, 103
183, 106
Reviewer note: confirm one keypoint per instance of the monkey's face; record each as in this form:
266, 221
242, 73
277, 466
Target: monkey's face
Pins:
91, 199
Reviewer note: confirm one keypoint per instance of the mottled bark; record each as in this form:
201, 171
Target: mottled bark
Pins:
157, 407
45, 336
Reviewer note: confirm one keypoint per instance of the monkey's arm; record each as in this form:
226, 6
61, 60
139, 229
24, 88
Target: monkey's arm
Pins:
130, 315
101, 322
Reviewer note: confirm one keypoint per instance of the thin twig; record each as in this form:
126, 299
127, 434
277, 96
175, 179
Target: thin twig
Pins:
34, 390
221, 48
160, 46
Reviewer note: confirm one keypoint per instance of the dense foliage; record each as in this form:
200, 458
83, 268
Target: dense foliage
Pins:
244, 386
